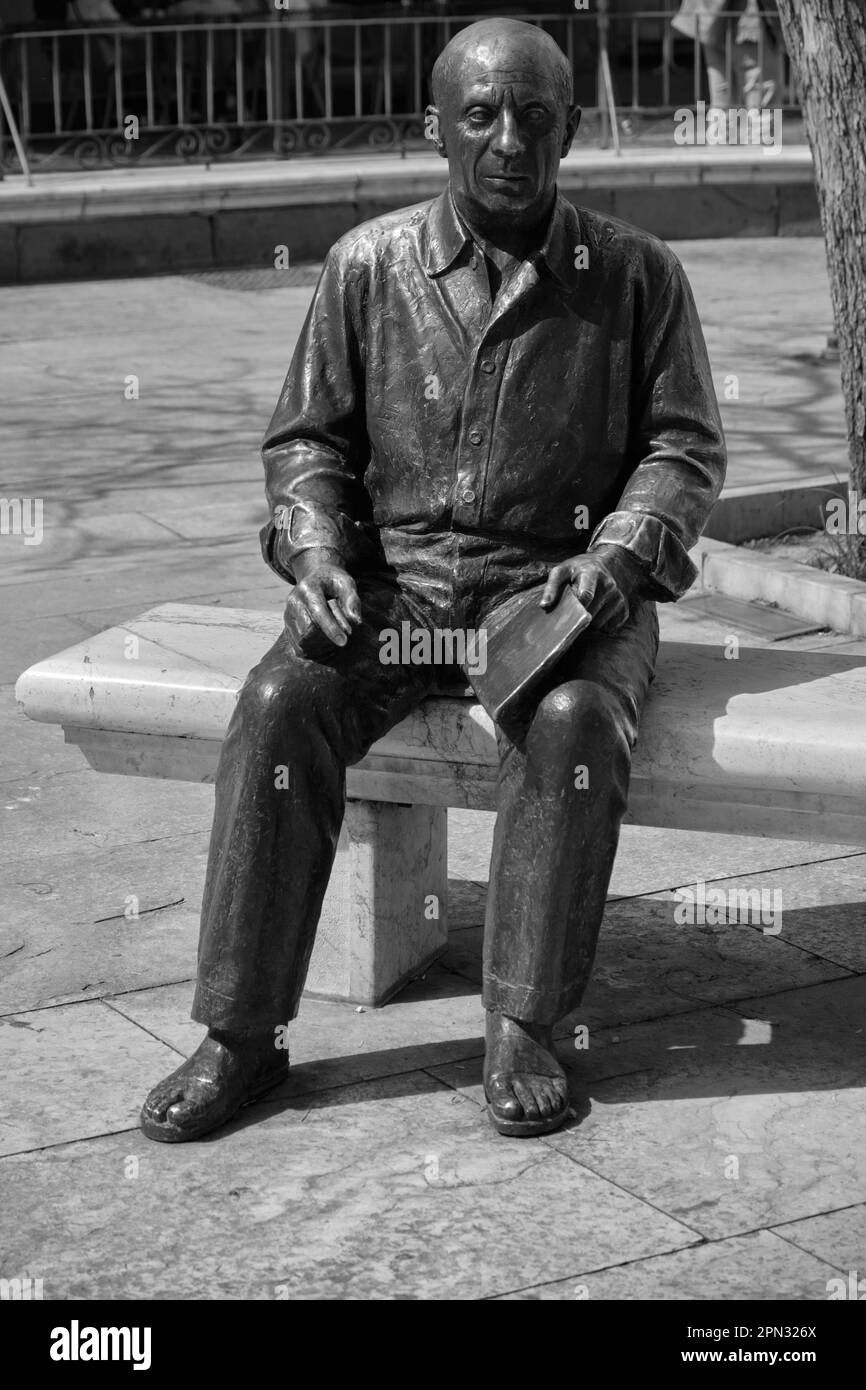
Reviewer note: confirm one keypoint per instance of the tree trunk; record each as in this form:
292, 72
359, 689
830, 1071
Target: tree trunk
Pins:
826, 40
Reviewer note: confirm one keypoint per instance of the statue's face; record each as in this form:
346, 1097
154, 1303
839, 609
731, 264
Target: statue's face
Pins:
504, 127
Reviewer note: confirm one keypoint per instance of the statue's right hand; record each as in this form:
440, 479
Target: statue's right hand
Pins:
325, 599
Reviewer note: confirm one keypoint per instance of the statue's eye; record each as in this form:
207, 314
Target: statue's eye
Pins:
478, 115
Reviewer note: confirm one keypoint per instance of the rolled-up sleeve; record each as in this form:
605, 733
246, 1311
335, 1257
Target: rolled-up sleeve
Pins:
314, 450
679, 444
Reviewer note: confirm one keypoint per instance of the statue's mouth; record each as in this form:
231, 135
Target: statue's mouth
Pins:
506, 180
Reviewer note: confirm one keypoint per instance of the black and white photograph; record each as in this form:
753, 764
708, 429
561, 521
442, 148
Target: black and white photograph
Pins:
433, 720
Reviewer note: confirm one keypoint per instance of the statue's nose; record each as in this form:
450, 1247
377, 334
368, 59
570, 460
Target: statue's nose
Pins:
506, 136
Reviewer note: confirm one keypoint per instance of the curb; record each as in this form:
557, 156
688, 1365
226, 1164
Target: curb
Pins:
767, 509
830, 600
169, 190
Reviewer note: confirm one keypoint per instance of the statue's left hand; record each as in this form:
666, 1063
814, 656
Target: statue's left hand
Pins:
607, 581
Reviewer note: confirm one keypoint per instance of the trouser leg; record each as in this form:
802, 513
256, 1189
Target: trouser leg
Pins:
756, 92
716, 59
563, 791
280, 797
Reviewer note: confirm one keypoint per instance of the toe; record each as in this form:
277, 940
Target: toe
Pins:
161, 1097
184, 1109
193, 1104
543, 1098
558, 1095
501, 1098
527, 1099
557, 1090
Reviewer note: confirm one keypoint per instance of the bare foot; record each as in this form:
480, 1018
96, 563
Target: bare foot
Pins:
526, 1088
223, 1074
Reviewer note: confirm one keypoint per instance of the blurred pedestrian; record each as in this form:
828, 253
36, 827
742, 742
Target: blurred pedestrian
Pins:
757, 37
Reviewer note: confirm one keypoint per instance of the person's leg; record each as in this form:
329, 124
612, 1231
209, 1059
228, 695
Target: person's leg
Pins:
716, 60
280, 797
562, 794
749, 76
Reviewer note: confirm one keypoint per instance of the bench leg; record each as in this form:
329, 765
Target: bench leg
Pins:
384, 919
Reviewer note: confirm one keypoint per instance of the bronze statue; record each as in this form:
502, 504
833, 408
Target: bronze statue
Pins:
494, 394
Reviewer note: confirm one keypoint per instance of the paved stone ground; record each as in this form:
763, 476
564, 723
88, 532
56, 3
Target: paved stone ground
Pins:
719, 1132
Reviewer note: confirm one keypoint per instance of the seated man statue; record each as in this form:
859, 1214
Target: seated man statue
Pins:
494, 394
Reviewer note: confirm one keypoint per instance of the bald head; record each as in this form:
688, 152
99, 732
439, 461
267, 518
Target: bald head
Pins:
503, 118
502, 46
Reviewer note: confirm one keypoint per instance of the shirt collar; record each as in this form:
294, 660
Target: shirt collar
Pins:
447, 236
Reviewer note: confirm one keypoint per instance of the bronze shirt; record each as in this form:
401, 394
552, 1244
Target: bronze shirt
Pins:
576, 410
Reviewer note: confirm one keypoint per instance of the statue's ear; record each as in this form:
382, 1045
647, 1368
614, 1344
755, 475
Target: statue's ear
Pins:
571, 124
431, 129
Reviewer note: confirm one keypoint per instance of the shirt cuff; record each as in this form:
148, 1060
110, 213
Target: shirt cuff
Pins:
654, 544
299, 527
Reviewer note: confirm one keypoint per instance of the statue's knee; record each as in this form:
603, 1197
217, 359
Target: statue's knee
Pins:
578, 711
278, 699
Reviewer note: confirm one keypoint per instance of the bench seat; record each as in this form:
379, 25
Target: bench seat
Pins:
771, 743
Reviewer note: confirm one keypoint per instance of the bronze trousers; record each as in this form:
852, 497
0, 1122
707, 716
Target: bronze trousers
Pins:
275, 832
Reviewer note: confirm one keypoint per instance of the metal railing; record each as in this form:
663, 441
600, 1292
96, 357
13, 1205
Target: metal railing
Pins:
296, 84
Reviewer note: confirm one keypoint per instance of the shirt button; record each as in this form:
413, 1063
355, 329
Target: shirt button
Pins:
475, 436
488, 367
467, 495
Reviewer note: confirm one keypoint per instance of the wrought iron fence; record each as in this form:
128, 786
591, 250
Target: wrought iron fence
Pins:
300, 85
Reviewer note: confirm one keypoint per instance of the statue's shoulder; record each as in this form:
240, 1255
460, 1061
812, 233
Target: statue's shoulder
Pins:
381, 239
626, 248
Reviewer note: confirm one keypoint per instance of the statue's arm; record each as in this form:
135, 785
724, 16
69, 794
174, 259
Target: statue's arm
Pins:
315, 444
679, 445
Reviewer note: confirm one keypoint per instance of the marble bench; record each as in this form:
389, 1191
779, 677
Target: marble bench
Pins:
772, 743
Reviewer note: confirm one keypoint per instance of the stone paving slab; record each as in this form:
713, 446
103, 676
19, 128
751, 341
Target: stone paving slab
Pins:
820, 906
83, 925
757, 1266
787, 1021
394, 1188
86, 580
711, 964
803, 1014
77, 1072
857, 648
80, 811
28, 749
838, 1237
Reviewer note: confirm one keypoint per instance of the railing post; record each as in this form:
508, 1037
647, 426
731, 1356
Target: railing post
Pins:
599, 94
13, 131
276, 83
606, 99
